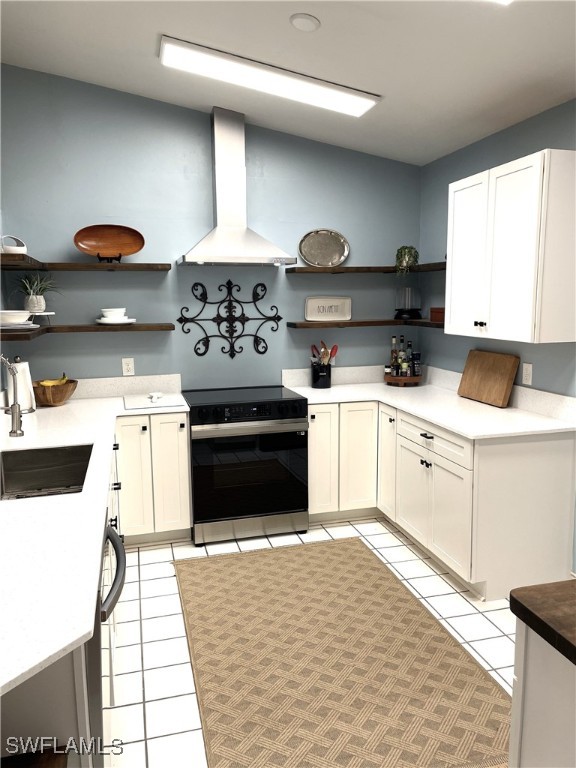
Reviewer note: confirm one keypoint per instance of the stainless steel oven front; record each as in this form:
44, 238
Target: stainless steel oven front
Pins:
250, 476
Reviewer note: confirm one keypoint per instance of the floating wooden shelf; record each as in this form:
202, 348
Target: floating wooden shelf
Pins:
35, 332
436, 266
360, 323
22, 261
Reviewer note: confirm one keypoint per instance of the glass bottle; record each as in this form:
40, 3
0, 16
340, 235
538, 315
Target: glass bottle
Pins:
393, 352
409, 358
401, 351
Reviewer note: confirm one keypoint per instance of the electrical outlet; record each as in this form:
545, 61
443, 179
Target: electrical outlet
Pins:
527, 374
127, 366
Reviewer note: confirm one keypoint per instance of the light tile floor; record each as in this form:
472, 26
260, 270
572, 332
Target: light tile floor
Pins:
156, 710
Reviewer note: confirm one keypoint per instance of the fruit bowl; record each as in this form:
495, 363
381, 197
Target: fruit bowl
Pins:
47, 394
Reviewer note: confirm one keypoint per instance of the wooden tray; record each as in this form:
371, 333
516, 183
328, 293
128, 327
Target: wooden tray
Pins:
108, 240
488, 377
402, 381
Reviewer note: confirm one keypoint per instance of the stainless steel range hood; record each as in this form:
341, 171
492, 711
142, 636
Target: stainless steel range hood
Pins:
231, 241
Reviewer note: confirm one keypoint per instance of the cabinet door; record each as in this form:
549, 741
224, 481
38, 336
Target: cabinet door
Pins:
514, 212
323, 470
466, 265
171, 463
450, 534
413, 489
358, 455
386, 500
135, 473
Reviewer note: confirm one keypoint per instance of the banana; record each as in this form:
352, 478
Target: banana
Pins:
54, 382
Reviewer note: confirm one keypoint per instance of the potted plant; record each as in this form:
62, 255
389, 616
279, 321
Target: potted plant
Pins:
34, 287
406, 256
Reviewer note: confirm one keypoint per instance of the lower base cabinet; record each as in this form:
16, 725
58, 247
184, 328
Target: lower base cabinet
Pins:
342, 457
434, 504
323, 452
358, 455
497, 511
154, 471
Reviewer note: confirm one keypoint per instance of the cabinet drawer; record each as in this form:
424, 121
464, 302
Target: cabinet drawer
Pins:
438, 440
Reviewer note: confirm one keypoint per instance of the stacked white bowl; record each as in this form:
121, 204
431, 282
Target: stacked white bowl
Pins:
114, 313
13, 317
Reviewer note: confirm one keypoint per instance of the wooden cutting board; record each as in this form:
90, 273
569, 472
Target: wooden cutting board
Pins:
488, 377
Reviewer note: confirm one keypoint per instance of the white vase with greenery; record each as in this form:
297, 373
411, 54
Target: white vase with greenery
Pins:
34, 287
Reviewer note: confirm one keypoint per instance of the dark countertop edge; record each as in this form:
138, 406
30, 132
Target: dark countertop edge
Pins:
537, 607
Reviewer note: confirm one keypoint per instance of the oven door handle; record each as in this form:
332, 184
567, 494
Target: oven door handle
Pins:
204, 431
109, 603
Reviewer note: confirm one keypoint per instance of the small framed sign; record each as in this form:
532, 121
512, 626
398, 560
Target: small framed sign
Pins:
328, 308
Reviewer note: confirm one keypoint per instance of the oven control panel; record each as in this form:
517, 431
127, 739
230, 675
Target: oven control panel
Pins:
238, 412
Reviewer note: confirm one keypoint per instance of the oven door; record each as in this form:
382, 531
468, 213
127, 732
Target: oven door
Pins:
250, 469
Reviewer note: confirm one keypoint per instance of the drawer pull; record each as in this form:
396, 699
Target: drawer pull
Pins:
116, 486
391, 420
426, 436
425, 463
479, 323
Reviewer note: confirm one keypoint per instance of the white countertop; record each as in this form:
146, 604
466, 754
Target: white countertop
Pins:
51, 547
443, 407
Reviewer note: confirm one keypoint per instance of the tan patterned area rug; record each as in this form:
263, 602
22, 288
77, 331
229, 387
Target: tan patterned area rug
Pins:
316, 656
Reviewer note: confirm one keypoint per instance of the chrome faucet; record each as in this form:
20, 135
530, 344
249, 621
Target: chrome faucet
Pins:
15, 411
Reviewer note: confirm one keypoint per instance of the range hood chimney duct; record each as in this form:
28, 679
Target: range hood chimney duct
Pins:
231, 241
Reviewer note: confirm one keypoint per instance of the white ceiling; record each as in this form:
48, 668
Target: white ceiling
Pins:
450, 73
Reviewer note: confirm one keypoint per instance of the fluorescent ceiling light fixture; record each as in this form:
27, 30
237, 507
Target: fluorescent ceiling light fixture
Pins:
217, 65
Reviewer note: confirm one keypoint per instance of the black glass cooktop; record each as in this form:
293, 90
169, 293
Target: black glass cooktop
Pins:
227, 396
244, 404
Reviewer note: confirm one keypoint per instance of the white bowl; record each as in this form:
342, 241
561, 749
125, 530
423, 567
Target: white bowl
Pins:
13, 317
114, 312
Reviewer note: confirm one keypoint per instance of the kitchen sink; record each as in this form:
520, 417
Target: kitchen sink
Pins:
43, 471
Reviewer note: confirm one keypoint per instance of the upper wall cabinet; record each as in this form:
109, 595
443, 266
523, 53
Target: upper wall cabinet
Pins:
511, 258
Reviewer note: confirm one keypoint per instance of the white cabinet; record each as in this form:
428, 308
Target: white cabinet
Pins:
154, 471
135, 473
342, 457
434, 494
323, 469
498, 512
386, 493
511, 251
358, 455
543, 704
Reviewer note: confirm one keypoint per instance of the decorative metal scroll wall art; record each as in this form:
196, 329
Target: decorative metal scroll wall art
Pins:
230, 317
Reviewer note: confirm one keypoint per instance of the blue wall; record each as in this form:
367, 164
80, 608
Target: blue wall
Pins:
74, 154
